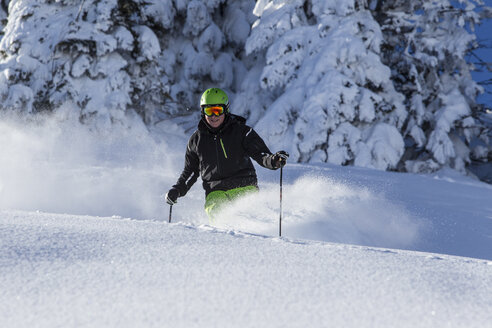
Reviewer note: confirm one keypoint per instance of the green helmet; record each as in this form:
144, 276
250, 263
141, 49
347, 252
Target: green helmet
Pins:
214, 96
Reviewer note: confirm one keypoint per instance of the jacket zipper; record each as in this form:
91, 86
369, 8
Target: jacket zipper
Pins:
223, 148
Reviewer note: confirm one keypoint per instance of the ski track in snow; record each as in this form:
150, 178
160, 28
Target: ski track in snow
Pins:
80, 271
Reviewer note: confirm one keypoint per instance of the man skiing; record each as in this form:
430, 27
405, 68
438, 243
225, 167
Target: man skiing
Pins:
220, 151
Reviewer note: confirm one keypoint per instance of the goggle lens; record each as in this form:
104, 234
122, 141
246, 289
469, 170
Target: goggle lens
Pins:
213, 110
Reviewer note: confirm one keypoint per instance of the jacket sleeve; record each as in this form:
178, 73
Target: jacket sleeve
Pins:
190, 172
257, 149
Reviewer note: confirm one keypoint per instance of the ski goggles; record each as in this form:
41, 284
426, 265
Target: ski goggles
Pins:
216, 110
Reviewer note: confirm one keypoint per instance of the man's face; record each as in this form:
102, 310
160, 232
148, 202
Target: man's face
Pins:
215, 121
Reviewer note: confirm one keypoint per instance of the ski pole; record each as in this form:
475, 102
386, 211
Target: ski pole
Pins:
170, 212
280, 221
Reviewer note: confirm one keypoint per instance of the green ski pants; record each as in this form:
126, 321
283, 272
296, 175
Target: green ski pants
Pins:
217, 199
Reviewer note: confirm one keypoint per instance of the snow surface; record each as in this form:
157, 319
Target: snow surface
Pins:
84, 240
78, 271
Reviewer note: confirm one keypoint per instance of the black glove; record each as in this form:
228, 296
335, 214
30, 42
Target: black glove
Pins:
172, 196
280, 159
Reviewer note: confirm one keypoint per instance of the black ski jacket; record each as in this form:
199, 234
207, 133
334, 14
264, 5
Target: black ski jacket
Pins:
222, 156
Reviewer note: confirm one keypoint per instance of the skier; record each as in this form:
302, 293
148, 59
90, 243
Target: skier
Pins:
220, 151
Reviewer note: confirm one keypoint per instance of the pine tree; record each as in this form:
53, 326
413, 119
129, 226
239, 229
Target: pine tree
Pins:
103, 58
64, 53
425, 44
333, 97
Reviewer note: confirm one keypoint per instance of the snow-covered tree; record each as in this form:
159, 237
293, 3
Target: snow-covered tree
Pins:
202, 46
104, 57
333, 99
63, 53
375, 83
425, 44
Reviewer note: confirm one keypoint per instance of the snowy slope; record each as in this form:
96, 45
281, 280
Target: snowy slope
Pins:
81, 271
58, 167
94, 267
